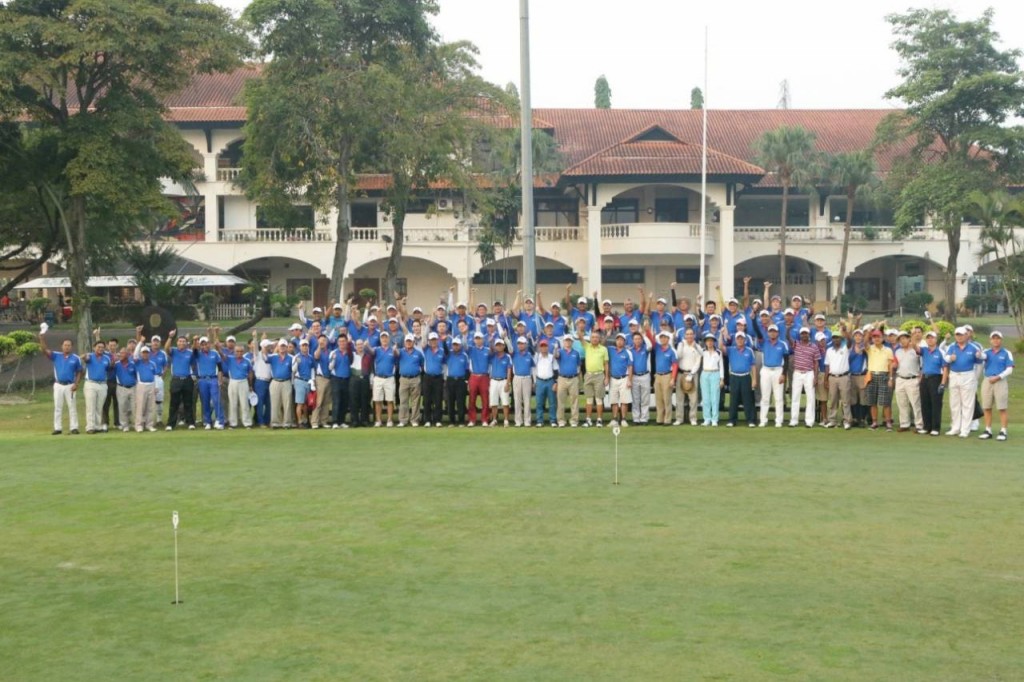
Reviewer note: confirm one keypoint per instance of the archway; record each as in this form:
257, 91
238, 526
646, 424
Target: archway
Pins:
424, 282
882, 284
285, 276
803, 277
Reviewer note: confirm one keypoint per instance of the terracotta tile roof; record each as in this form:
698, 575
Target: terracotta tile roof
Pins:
655, 151
378, 182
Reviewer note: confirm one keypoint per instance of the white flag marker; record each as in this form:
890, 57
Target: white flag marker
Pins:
174, 522
615, 432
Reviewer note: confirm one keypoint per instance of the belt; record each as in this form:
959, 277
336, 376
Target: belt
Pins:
623, 376
145, 383
568, 376
267, 380
661, 374
187, 377
640, 374
480, 374
740, 374
840, 375
912, 376
281, 381
97, 381
410, 376
65, 383
208, 376
545, 378
858, 374
123, 386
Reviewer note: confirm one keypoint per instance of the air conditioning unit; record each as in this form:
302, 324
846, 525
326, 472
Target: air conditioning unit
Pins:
445, 205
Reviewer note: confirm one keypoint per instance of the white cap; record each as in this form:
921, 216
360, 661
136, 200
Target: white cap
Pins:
968, 327
757, 301
146, 349
805, 330
203, 339
156, 337
478, 334
521, 339
392, 306
633, 322
318, 310
374, 307
820, 316
556, 304
788, 311
520, 322
820, 336
796, 297
417, 309
960, 330
890, 331
410, 337
461, 304
386, 333
620, 335
528, 300
282, 342
371, 318
582, 299
499, 340
740, 335
995, 333
440, 306
606, 301
491, 322
688, 316
266, 342
661, 300
609, 318
230, 338
741, 320
773, 327
337, 306
296, 327
732, 300
431, 336
858, 331
665, 334
456, 340
549, 323
903, 333
764, 313
304, 342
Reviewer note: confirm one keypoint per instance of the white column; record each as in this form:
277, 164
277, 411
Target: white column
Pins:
592, 277
212, 215
725, 253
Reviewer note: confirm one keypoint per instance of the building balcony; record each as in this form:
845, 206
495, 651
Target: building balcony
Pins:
834, 233
228, 174
459, 235
625, 239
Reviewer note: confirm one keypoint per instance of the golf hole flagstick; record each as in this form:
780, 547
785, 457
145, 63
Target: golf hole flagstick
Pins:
174, 522
615, 432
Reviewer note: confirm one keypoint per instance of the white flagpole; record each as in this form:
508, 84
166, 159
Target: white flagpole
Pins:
704, 174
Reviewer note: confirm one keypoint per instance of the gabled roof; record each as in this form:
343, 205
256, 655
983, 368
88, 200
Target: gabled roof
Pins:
655, 151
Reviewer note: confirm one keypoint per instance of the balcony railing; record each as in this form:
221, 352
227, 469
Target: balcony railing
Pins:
623, 230
834, 233
276, 234
228, 174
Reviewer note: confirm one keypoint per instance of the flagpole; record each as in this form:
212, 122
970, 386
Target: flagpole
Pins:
704, 173
526, 151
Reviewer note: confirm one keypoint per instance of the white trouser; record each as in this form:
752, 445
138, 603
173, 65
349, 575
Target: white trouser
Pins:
641, 398
125, 405
522, 389
95, 394
908, 400
772, 387
962, 387
238, 401
145, 405
158, 390
802, 381
62, 395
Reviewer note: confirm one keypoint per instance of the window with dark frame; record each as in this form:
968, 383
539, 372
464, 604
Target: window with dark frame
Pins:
621, 211
557, 212
496, 277
671, 210
622, 275
556, 276
364, 214
688, 275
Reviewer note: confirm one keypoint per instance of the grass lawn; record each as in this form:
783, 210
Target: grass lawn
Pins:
730, 554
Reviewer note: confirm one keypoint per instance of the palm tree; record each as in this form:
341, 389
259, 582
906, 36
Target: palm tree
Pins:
999, 214
787, 152
849, 171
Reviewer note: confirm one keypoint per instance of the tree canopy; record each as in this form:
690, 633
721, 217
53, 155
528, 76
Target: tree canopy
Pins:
602, 93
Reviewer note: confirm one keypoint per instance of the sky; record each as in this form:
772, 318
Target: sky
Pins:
833, 55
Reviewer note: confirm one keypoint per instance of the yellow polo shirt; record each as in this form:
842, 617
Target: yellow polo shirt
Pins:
879, 359
596, 357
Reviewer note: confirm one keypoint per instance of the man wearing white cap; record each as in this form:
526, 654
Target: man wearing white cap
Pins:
318, 315
145, 393
302, 382
479, 378
742, 380
995, 392
774, 352
527, 314
455, 387
961, 358
321, 413
580, 311
933, 383
664, 366
688, 356
641, 386
280, 362
385, 364
555, 317
522, 381
620, 365
433, 380
806, 355
500, 385
837, 382
569, 361
239, 371
908, 383
410, 369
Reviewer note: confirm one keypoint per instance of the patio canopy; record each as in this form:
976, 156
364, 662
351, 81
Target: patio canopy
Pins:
188, 272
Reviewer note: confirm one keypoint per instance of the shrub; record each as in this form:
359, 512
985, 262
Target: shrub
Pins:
944, 326
21, 336
304, 293
207, 303
917, 302
37, 306
30, 349
7, 346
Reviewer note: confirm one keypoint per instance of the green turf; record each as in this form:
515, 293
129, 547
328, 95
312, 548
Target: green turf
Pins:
508, 555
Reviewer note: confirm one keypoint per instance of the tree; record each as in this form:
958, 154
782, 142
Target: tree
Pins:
696, 98
311, 120
850, 172
150, 264
999, 215
426, 129
788, 153
602, 93
959, 90
91, 76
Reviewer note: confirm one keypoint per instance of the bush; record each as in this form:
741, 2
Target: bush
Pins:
30, 349
304, 293
917, 302
37, 306
1018, 348
21, 336
853, 304
7, 346
207, 303
944, 326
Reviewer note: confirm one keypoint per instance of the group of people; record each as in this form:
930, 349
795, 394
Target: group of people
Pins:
466, 365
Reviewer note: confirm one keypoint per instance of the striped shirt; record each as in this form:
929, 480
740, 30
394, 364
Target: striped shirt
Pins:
806, 357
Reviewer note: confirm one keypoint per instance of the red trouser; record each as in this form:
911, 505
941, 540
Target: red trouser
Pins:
479, 385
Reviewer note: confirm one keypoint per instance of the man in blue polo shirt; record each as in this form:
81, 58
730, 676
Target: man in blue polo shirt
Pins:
96, 364
995, 392
433, 380
961, 357
522, 381
742, 380
933, 377
773, 376
124, 385
385, 365
410, 367
568, 359
146, 374
339, 365
620, 386
456, 388
181, 358
239, 370
281, 372
208, 368
302, 377
500, 384
640, 389
479, 377
67, 371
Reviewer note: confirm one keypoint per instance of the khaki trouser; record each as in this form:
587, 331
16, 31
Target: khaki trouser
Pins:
569, 396
409, 399
95, 394
663, 399
522, 390
145, 405
322, 412
125, 406
281, 408
840, 389
682, 394
238, 402
908, 399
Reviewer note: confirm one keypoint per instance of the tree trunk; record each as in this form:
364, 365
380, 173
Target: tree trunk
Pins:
395, 259
77, 272
847, 228
342, 236
782, 242
953, 239
26, 271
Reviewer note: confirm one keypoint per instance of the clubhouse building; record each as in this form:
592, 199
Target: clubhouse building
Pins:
623, 212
